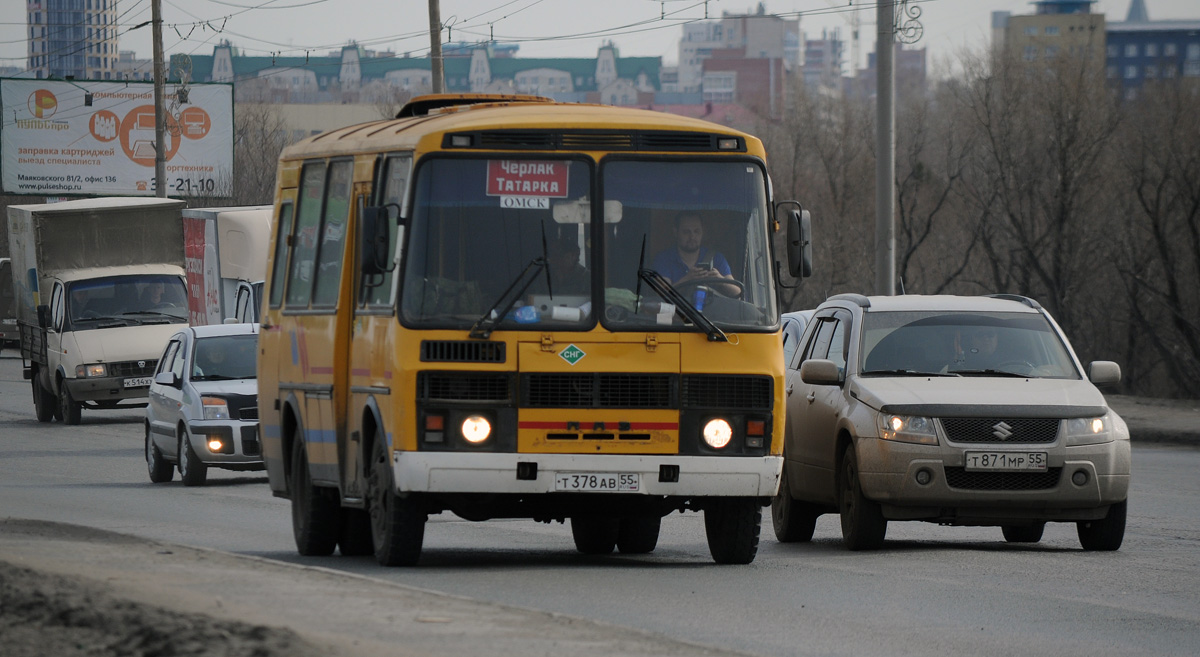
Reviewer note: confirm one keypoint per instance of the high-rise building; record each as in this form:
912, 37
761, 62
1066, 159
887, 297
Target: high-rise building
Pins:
1056, 28
73, 39
1141, 51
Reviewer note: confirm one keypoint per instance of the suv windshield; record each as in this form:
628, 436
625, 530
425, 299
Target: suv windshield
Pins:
702, 227
479, 224
963, 343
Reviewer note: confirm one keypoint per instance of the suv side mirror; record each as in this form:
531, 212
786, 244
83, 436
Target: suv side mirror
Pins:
820, 372
1104, 372
374, 239
799, 243
167, 379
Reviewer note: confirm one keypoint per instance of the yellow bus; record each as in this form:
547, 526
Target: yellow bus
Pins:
509, 307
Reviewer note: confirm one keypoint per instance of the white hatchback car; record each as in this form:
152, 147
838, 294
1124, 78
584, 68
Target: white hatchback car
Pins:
203, 404
953, 410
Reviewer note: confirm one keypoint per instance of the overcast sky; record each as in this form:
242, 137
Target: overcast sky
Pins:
543, 28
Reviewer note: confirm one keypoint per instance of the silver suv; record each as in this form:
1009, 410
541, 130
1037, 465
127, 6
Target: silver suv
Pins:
953, 410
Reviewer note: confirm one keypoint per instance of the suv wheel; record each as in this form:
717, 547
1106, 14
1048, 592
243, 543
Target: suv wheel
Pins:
794, 521
863, 524
1104, 535
1023, 533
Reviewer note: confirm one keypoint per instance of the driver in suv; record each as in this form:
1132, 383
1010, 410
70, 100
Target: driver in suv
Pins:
952, 410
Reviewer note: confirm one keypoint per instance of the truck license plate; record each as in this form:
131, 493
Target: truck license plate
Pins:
139, 382
598, 482
1005, 461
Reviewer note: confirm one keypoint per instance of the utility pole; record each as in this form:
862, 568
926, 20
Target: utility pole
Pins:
435, 47
160, 144
885, 150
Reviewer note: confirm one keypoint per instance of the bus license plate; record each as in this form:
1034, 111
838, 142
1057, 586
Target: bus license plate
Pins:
1005, 461
598, 482
139, 382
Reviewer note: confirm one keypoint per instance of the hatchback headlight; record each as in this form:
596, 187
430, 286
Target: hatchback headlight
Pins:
215, 408
1088, 430
907, 428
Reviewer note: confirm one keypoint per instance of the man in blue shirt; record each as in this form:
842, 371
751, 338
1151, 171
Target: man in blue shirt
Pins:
689, 261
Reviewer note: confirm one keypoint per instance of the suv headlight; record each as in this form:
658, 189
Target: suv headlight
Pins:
907, 428
215, 408
1089, 430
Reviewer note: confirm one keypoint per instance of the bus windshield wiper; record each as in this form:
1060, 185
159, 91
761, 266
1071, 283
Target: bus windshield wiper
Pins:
483, 327
663, 287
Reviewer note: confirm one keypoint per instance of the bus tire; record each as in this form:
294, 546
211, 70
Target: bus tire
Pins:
732, 525
595, 535
43, 401
315, 511
397, 523
638, 535
355, 540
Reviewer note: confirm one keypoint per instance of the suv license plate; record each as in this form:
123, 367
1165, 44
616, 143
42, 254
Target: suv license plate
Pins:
1005, 461
598, 482
140, 382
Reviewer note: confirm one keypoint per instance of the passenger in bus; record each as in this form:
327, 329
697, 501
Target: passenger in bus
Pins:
689, 260
567, 275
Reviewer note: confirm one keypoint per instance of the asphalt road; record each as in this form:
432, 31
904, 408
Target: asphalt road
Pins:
931, 590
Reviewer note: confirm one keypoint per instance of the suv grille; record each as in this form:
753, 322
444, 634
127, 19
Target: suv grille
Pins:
468, 386
957, 477
752, 393
1000, 430
598, 391
133, 368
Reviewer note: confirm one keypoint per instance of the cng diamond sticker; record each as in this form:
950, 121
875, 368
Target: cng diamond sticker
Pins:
572, 354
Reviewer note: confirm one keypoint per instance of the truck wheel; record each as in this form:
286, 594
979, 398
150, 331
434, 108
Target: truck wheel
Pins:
316, 512
863, 524
44, 402
397, 523
161, 470
191, 470
1104, 535
732, 525
1023, 533
638, 535
355, 539
595, 535
70, 410
794, 521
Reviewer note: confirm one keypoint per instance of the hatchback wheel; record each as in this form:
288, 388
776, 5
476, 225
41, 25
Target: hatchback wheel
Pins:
191, 470
161, 471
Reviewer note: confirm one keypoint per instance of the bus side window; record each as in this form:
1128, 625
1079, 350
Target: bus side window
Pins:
394, 188
304, 244
284, 228
333, 235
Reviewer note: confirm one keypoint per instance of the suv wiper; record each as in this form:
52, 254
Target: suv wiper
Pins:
906, 373
483, 327
663, 287
991, 373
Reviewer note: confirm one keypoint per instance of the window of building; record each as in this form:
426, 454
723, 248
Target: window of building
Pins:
1051, 52
1151, 72
1031, 31
1191, 69
1112, 51
1169, 71
1131, 72
1131, 50
1169, 50
1193, 51
1030, 53
1151, 50
1051, 30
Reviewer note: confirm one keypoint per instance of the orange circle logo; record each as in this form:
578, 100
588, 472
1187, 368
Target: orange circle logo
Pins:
137, 136
104, 125
42, 104
194, 123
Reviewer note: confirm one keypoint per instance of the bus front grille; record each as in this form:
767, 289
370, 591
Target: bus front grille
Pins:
598, 390
727, 391
464, 387
462, 351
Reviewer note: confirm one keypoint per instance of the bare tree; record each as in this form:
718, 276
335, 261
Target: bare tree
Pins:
259, 136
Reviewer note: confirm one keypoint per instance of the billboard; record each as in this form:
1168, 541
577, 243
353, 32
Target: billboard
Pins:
53, 143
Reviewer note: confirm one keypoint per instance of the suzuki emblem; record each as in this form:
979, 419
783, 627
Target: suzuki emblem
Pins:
1002, 430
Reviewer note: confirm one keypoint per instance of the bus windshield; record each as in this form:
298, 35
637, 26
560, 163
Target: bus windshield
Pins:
701, 226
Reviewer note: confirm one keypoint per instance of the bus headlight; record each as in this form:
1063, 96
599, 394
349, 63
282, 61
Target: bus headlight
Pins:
717, 433
476, 429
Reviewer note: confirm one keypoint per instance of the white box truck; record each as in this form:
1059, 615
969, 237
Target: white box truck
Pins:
99, 289
226, 251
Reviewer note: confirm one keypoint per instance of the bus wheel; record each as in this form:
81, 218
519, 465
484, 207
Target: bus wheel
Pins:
397, 524
732, 525
595, 535
638, 535
355, 540
315, 511
43, 401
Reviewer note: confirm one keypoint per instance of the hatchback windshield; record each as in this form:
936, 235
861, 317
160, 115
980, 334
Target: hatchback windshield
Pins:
963, 343
225, 357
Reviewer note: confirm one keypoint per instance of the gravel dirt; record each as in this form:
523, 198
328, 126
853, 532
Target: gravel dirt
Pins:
68, 590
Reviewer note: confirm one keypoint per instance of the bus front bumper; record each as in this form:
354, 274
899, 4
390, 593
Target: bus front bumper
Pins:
690, 476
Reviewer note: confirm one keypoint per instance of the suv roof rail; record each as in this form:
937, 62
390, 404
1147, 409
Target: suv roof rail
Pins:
858, 299
1016, 297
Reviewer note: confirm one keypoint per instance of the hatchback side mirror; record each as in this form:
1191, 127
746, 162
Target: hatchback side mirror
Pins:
1104, 372
167, 379
820, 372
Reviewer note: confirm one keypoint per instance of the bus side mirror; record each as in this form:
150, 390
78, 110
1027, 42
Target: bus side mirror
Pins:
374, 239
799, 243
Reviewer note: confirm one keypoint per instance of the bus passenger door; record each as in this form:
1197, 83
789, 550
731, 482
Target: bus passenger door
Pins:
273, 349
